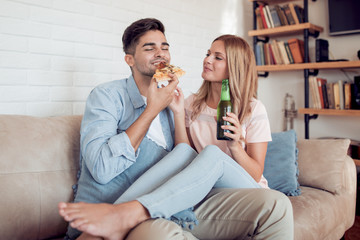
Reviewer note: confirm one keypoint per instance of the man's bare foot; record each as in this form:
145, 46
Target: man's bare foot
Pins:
112, 222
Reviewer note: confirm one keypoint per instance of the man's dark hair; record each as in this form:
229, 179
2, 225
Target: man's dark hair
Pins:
136, 30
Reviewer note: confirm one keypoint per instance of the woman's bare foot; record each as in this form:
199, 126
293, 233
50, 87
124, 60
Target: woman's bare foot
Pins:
112, 222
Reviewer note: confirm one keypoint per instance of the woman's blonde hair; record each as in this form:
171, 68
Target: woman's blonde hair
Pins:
242, 78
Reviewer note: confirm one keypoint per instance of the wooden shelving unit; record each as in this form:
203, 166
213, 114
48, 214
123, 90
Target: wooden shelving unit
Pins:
285, 30
333, 112
310, 68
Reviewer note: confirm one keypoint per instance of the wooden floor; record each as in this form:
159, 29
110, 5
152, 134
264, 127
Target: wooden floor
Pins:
354, 232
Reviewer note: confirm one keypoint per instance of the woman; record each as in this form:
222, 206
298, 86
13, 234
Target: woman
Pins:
183, 178
231, 57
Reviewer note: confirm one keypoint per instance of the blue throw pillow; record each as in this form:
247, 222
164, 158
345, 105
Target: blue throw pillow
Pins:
281, 168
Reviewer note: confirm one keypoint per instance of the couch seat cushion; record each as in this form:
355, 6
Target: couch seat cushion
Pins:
319, 214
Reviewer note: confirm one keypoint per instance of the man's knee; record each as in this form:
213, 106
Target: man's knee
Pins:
277, 221
278, 203
239, 213
159, 229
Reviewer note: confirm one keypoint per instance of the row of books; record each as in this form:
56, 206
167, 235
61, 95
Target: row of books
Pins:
275, 16
337, 95
279, 52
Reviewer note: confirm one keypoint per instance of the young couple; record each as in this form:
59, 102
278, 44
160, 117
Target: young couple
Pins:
149, 158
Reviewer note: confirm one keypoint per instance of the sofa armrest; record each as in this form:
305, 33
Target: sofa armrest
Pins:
350, 176
321, 163
38, 164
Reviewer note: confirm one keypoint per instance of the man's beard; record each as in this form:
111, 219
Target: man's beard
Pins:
145, 71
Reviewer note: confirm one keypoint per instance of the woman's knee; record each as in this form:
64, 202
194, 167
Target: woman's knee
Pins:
211, 149
212, 152
184, 148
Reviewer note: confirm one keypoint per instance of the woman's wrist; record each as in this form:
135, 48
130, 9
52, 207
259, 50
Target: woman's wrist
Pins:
179, 115
235, 147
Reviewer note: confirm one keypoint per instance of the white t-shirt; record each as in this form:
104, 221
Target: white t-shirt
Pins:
153, 133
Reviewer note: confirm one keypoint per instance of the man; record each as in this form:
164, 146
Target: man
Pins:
126, 129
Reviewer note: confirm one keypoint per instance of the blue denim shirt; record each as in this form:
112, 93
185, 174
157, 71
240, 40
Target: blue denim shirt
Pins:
110, 109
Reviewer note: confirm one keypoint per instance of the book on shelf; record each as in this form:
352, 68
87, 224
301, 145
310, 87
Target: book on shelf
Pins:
262, 54
312, 93
283, 53
288, 51
296, 49
288, 14
267, 8
355, 95
324, 92
276, 52
336, 95
341, 94
259, 22
258, 56
320, 82
267, 19
330, 95
273, 60
299, 13
266, 54
280, 12
274, 16
261, 10
315, 96
347, 95
293, 13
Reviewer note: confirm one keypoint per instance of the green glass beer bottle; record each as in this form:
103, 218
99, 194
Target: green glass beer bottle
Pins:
223, 107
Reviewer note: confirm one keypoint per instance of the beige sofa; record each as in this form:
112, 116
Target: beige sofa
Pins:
39, 162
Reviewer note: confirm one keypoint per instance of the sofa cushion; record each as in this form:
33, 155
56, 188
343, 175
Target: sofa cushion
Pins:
321, 214
281, 168
321, 163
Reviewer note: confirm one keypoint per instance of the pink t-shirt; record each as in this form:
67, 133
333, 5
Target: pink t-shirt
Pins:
256, 128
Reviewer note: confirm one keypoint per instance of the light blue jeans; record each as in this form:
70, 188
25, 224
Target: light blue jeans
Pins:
183, 178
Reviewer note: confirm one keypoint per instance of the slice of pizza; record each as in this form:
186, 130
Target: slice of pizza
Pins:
163, 70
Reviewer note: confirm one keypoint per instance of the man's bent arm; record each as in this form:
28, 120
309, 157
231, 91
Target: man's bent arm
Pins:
106, 148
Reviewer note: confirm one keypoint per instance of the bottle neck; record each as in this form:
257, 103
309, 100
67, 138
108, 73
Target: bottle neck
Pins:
225, 91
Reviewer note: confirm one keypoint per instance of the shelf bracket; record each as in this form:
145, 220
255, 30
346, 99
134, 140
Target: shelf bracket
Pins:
264, 40
314, 73
314, 34
315, 116
264, 75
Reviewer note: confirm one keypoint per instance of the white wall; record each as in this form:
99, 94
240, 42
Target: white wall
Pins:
53, 52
